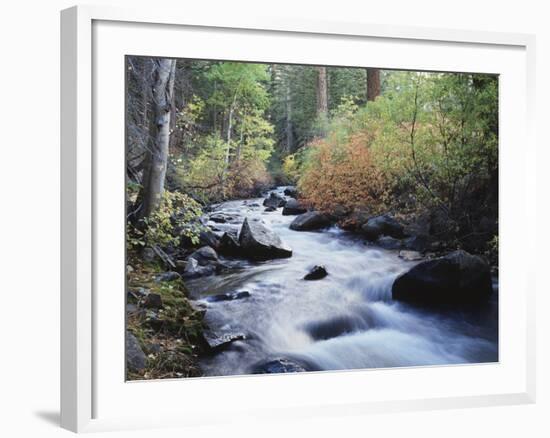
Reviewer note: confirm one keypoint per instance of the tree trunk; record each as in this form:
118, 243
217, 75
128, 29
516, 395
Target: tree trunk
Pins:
172, 104
162, 93
322, 92
373, 84
288, 128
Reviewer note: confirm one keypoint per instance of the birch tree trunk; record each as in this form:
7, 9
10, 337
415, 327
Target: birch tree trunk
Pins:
373, 84
162, 94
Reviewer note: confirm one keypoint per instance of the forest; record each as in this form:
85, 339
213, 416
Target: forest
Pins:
233, 168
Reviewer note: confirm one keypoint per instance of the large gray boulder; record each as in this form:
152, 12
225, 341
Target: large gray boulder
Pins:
135, 357
259, 243
293, 207
382, 225
458, 278
312, 220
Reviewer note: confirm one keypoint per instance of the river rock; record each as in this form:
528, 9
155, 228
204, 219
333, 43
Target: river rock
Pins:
278, 366
293, 207
194, 270
208, 238
312, 220
419, 243
230, 296
388, 242
270, 209
229, 245
220, 218
274, 200
135, 357
382, 225
317, 272
410, 256
260, 243
205, 256
291, 191
457, 278
216, 342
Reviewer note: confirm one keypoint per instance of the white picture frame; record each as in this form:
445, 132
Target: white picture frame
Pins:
93, 389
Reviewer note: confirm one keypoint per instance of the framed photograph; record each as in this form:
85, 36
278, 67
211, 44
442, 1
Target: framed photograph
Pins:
277, 218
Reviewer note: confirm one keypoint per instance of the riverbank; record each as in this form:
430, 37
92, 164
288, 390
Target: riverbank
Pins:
244, 301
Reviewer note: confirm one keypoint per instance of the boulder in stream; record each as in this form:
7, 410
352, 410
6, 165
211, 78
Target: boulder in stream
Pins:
260, 243
274, 200
291, 191
293, 207
382, 225
458, 278
216, 342
317, 272
388, 242
278, 366
312, 220
229, 245
230, 296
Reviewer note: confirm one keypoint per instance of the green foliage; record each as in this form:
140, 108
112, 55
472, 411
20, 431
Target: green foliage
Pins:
431, 138
177, 217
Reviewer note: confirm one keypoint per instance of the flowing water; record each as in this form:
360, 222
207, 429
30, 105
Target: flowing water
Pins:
345, 321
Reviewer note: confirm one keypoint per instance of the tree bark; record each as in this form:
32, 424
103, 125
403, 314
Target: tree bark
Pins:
373, 84
322, 92
288, 127
162, 94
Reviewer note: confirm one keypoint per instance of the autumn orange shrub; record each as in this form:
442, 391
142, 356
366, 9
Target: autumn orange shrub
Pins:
343, 175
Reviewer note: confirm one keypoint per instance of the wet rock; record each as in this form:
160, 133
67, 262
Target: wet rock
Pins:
194, 270
220, 218
419, 243
410, 256
278, 366
208, 238
293, 207
135, 357
382, 225
229, 245
260, 243
205, 256
312, 220
274, 200
228, 296
152, 301
458, 278
316, 273
388, 242
270, 209
334, 327
167, 276
291, 191
218, 342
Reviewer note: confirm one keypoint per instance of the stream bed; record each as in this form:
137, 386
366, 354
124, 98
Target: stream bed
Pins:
346, 320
